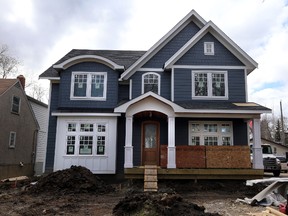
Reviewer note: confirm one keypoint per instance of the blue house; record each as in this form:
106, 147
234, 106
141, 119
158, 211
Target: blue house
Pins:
181, 105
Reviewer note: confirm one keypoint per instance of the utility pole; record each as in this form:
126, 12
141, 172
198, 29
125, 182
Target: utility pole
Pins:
282, 125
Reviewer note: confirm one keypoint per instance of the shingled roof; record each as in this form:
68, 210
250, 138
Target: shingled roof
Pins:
121, 57
6, 84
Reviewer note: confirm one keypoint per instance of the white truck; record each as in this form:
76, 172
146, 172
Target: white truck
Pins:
270, 162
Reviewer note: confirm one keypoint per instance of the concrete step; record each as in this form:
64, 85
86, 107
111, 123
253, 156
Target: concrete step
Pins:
150, 178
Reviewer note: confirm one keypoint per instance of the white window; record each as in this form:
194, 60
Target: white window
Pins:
15, 105
91, 86
12, 139
89, 138
210, 133
208, 48
151, 82
209, 84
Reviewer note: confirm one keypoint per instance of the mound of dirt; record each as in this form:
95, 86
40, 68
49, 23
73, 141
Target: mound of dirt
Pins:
76, 179
158, 204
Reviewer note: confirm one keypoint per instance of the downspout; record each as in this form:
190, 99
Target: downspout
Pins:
33, 158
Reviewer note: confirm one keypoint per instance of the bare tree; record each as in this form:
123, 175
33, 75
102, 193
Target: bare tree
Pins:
37, 92
8, 64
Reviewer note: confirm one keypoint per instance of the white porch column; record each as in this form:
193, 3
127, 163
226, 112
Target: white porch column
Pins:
257, 149
171, 151
128, 156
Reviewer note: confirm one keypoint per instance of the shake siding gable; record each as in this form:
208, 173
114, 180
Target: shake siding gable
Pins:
112, 87
158, 60
222, 56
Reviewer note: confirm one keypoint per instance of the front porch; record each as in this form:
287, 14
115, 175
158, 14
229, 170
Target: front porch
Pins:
164, 173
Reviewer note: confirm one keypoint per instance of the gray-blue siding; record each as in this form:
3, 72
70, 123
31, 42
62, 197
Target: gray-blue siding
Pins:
183, 85
65, 87
165, 86
158, 60
222, 56
52, 129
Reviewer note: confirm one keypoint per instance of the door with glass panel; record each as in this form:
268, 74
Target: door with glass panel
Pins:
150, 143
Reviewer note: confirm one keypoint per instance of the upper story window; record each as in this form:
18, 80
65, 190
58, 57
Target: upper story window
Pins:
89, 85
151, 82
15, 104
209, 84
12, 139
208, 48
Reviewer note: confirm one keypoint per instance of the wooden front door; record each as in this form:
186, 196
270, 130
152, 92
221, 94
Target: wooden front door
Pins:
150, 143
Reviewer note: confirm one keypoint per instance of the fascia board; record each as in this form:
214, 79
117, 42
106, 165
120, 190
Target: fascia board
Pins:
50, 78
223, 38
193, 15
78, 59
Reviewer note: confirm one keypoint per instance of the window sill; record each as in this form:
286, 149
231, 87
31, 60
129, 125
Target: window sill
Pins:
208, 98
88, 98
85, 156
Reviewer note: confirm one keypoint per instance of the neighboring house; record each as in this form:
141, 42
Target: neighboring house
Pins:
278, 148
41, 113
182, 105
18, 130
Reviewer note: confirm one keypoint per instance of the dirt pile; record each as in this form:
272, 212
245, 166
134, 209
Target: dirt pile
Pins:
158, 204
76, 179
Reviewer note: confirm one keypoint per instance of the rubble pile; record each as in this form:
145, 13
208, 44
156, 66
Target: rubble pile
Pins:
158, 204
76, 179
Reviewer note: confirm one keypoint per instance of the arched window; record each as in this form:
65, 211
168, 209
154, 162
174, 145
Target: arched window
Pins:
151, 82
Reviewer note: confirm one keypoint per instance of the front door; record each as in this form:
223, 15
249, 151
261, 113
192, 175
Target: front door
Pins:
150, 143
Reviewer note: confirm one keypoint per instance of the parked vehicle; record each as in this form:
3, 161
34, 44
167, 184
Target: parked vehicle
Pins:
270, 162
284, 165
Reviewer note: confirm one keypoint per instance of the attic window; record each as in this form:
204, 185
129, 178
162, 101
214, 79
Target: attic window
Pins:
208, 48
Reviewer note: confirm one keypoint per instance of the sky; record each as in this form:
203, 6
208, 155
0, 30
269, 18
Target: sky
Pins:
39, 33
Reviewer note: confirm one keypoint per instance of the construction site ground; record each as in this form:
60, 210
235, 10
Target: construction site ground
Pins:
76, 191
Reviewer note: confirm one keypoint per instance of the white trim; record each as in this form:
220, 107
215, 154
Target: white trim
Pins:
159, 82
178, 109
217, 134
89, 84
130, 89
209, 85
50, 78
223, 38
171, 150
257, 149
151, 69
84, 58
86, 114
192, 16
172, 84
209, 67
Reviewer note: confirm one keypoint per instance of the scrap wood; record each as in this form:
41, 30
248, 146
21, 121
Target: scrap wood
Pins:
272, 212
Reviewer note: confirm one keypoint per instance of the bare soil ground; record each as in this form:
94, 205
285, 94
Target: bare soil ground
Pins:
76, 191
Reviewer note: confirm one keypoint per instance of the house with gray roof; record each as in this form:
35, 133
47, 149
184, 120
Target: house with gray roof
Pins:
180, 106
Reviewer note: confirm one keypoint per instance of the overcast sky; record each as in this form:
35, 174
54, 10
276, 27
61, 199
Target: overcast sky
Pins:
40, 32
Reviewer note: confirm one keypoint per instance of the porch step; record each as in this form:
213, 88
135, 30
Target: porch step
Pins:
150, 178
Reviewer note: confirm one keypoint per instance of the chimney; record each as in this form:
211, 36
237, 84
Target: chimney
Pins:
21, 78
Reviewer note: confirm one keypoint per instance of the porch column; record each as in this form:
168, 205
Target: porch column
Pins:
171, 153
257, 149
128, 156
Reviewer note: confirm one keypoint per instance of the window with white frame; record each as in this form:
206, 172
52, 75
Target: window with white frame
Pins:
15, 104
89, 138
210, 133
208, 48
86, 85
12, 139
209, 84
151, 82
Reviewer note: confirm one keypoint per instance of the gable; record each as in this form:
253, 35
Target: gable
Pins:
5, 84
172, 46
195, 55
211, 28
